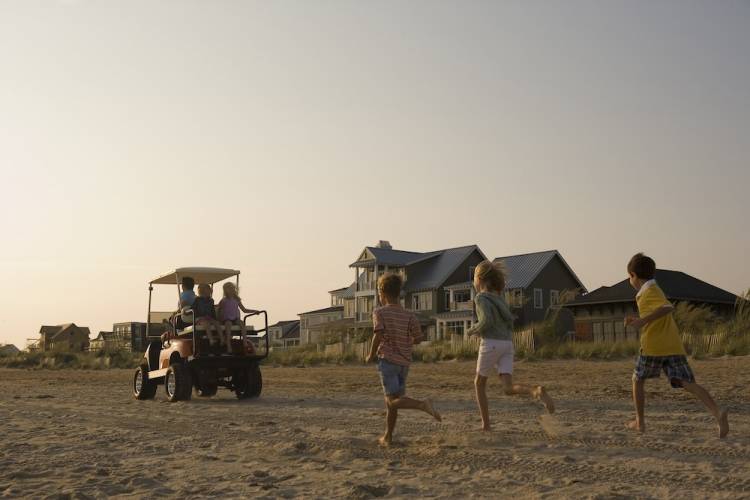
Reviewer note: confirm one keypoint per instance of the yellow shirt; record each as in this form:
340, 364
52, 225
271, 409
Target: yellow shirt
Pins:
660, 337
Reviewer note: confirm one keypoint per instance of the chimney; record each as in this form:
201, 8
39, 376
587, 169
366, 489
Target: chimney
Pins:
385, 244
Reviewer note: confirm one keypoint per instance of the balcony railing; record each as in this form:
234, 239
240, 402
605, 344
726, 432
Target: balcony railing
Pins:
364, 316
462, 306
365, 287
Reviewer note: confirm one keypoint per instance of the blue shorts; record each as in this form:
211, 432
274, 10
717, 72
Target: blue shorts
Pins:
393, 377
676, 369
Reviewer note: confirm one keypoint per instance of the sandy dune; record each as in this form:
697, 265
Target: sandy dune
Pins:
74, 434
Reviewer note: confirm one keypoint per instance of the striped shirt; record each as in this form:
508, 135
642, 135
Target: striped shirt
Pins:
399, 329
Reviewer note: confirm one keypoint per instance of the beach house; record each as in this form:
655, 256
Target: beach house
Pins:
599, 315
67, 337
284, 333
536, 282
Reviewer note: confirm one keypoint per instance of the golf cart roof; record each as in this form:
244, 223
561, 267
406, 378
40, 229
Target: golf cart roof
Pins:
208, 275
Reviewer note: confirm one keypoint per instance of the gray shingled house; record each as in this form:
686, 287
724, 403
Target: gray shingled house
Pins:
538, 281
599, 314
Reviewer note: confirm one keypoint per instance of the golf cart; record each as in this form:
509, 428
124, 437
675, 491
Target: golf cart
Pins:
180, 361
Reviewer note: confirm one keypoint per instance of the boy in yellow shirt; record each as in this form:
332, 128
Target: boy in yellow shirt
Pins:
661, 347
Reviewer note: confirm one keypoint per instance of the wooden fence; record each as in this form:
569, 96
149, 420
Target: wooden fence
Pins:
703, 343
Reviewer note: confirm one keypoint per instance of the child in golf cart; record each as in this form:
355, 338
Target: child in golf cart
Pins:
229, 313
205, 314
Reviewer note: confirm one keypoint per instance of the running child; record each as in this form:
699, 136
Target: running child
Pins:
495, 328
395, 331
661, 347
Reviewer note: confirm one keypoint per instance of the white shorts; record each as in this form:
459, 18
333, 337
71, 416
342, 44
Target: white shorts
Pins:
495, 355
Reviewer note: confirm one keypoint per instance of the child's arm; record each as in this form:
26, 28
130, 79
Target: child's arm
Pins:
377, 338
505, 312
482, 320
415, 331
247, 311
657, 314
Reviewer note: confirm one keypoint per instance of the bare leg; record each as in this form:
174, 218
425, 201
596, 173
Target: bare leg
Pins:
395, 403
705, 398
228, 335
391, 414
537, 392
480, 384
639, 400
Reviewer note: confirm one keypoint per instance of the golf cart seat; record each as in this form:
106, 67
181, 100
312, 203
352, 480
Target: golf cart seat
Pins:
202, 328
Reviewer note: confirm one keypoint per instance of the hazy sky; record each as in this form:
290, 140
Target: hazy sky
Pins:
282, 137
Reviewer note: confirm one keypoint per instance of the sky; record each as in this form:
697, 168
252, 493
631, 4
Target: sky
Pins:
280, 138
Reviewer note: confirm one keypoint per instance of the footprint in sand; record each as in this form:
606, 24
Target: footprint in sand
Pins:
552, 426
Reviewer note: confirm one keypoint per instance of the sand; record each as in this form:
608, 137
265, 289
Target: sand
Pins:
77, 434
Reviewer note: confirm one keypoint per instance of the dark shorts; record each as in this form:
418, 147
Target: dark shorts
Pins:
676, 368
393, 377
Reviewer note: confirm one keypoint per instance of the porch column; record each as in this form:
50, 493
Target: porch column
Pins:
356, 289
466, 328
450, 299
376, 301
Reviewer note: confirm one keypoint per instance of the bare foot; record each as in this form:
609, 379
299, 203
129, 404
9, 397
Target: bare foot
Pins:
384, 441
486, 428
541, 395
633, 426
431, 410
723, 424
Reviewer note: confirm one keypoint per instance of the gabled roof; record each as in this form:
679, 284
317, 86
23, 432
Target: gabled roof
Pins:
391, 257
53, 331
286, 326
677, 286
325, 310
443, 264
105, 336
292, 332
524, 268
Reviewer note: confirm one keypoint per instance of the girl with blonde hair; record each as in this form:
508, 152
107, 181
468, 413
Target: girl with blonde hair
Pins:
495, 328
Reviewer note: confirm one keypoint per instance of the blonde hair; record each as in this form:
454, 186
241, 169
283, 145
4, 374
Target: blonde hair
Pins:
229, 285
491, 274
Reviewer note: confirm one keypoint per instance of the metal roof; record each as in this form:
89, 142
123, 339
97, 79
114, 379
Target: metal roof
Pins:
441, 265
676, 285
523, 269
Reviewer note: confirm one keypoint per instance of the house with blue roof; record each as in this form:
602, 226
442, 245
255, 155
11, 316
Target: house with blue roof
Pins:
438, 289
537, 282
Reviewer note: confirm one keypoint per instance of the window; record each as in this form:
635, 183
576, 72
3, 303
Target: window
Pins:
454, 328
447, 300
538, 298
421, 301
554, 297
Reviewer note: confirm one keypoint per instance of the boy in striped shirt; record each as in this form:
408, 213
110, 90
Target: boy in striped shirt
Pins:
395, 330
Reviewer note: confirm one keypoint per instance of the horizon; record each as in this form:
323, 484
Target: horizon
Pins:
281, 139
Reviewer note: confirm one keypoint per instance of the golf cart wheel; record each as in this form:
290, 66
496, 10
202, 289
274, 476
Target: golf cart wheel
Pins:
206, 383
178, 383
249, 383
143, 388
206, 390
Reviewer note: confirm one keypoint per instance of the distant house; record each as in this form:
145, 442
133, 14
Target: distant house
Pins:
284, 333
599, 315
131, 335
103, 342
311, 323
8, 350
428, 277
537, 281
68, 337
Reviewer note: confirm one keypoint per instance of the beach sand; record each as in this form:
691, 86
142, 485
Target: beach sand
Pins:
80, 434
